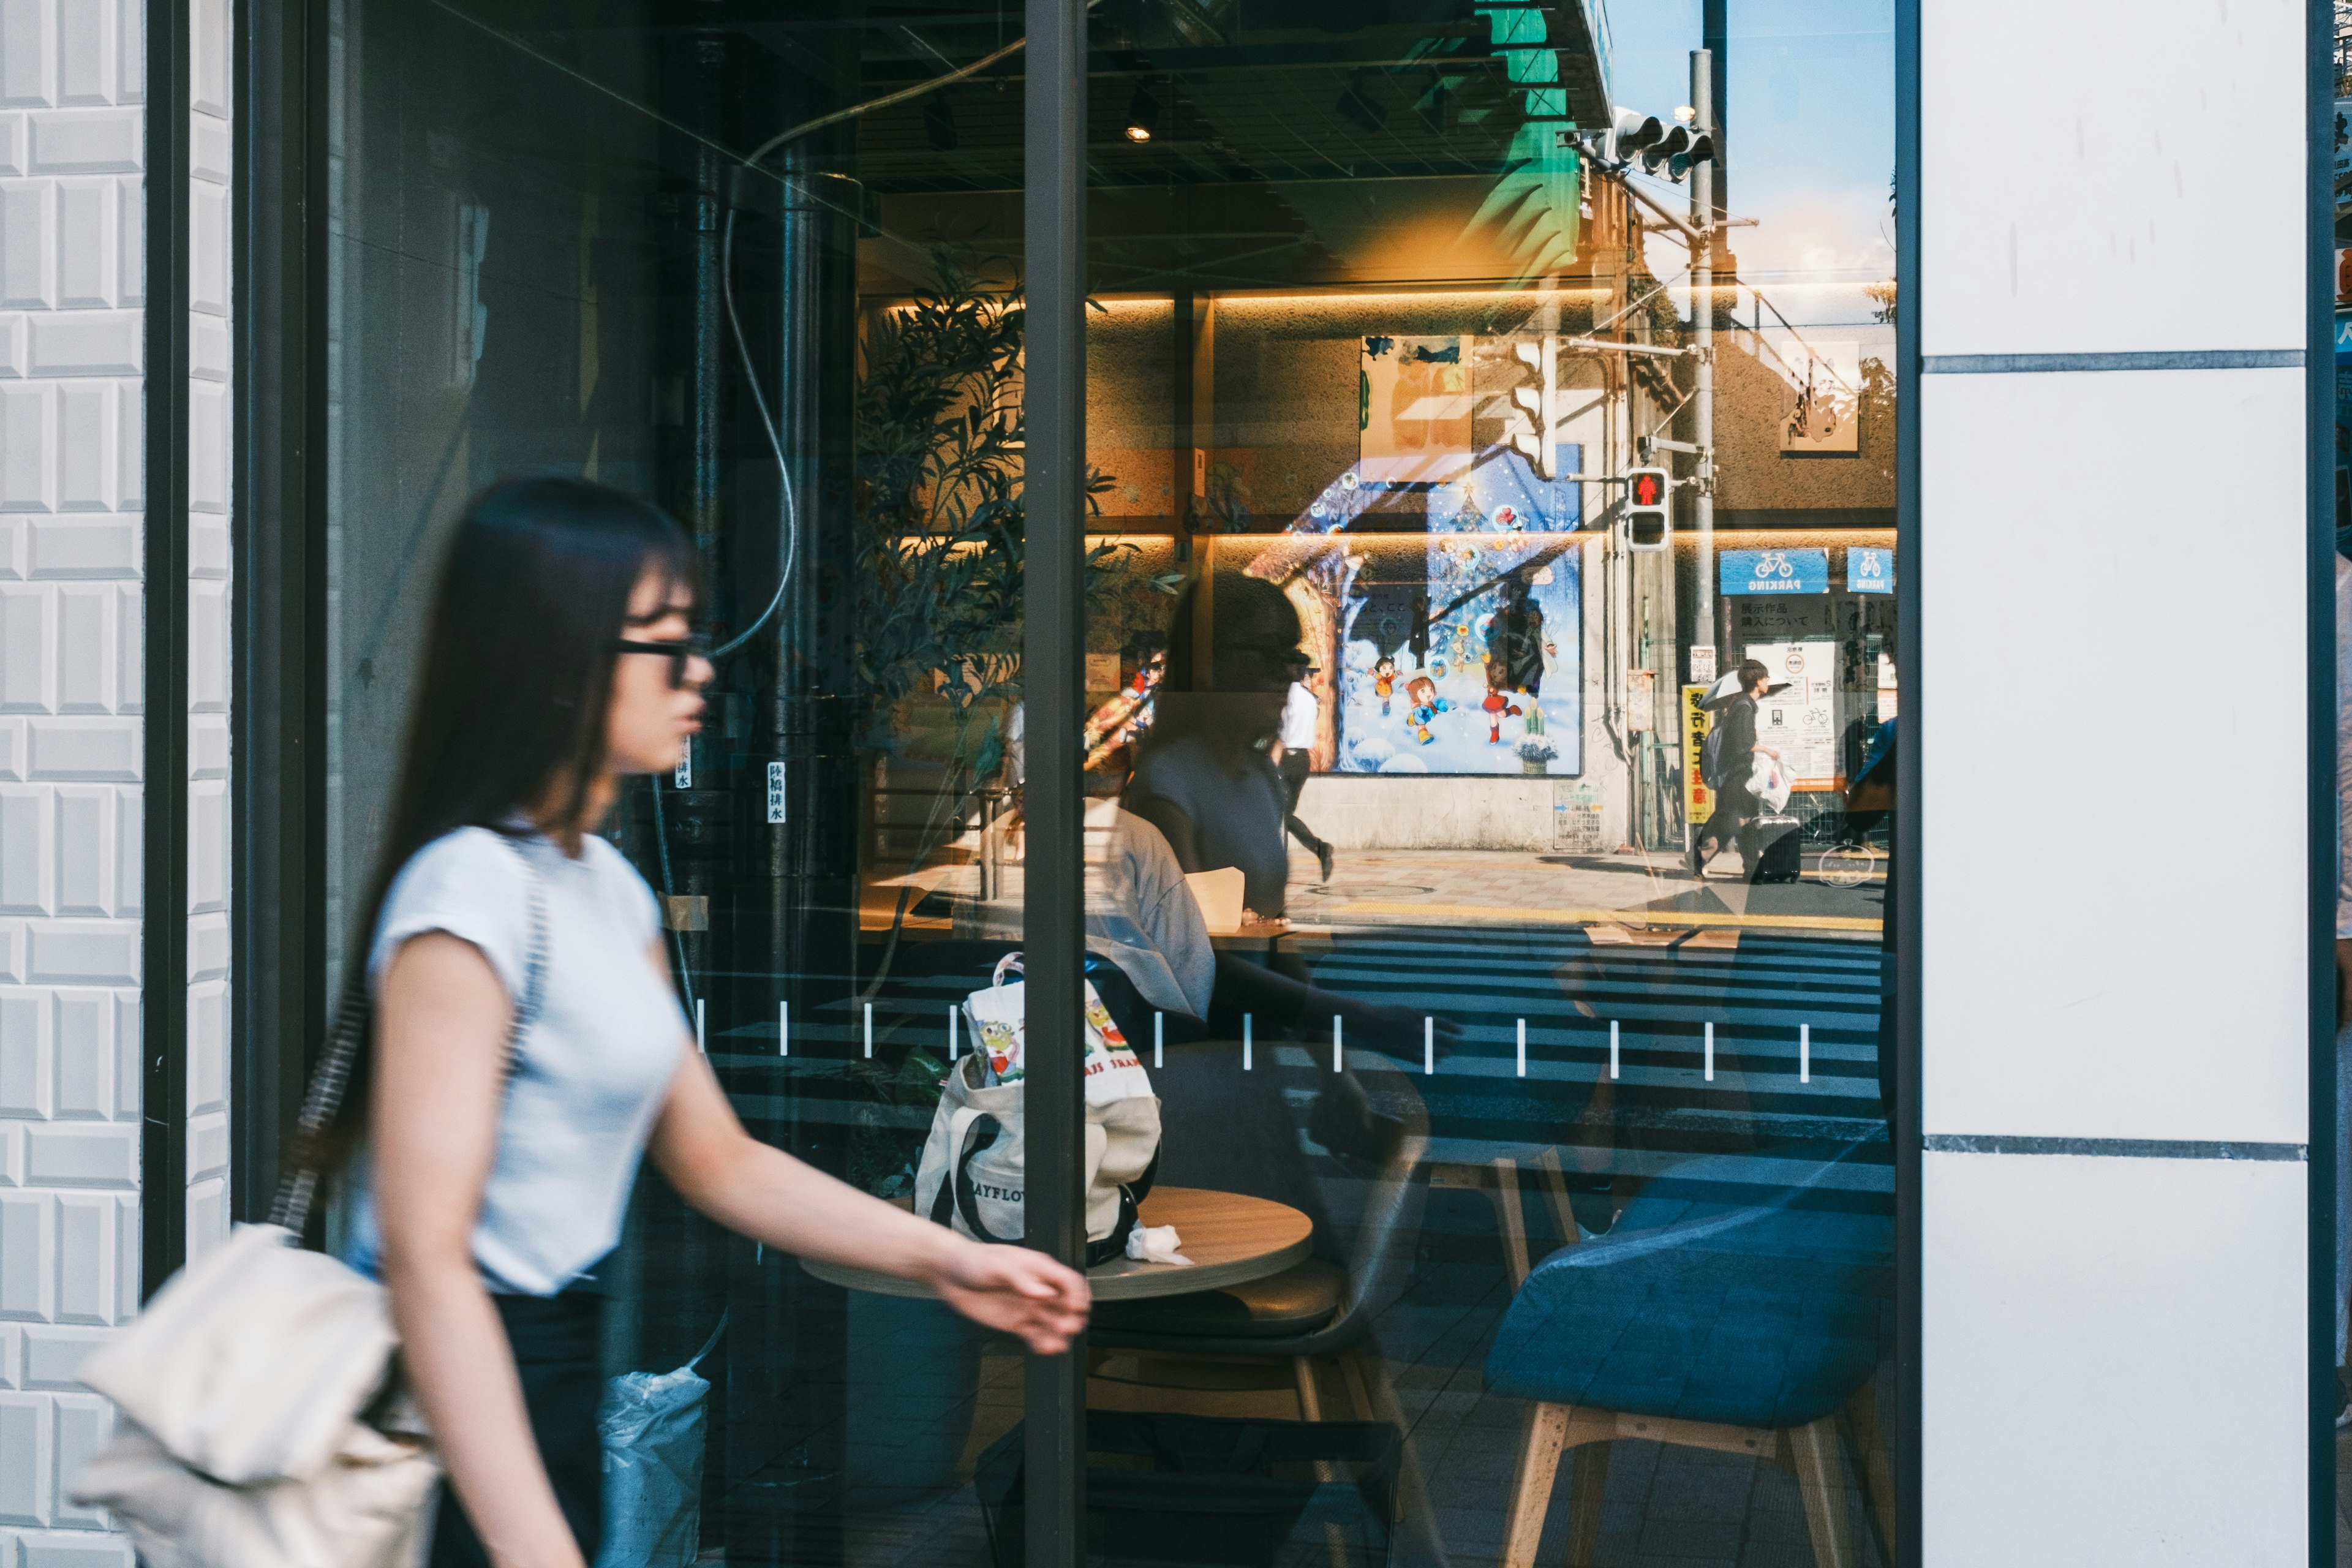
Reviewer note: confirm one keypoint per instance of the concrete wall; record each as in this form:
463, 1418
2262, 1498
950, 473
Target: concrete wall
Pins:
2115, 1344
1355, 811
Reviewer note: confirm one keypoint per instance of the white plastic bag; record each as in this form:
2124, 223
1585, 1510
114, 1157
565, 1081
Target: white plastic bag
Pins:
651, 1427
1768, 782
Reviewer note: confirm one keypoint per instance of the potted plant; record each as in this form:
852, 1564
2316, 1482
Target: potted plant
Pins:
938, 508
1536, 757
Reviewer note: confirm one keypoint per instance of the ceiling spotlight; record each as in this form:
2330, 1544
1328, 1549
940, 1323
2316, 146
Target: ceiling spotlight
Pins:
1142, 115
940, 123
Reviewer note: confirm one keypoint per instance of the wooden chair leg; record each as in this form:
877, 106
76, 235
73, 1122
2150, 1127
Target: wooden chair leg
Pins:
1588, 1483
1876, 1467
1360, 1397
1504, 1186
1310, 1399
1563, 1213
1820, 1479
1539, 1448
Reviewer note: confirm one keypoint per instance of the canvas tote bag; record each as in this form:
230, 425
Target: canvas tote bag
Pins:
263, 1422
971, 1175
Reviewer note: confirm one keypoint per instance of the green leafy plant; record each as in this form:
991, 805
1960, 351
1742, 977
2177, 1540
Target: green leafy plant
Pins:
941, 548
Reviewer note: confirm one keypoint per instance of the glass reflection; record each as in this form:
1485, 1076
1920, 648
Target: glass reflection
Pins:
1481, 459
1401, 689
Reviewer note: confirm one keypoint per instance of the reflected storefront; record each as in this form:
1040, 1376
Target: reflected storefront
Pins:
1538, 1184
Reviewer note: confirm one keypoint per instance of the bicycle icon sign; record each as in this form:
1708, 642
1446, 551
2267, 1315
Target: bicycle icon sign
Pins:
1869, 570
1774, 570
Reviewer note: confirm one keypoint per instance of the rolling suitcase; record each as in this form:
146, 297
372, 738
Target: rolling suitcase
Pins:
1780, 843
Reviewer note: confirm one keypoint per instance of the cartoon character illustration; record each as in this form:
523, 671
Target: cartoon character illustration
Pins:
1497, 705
1384, 681
1422, 692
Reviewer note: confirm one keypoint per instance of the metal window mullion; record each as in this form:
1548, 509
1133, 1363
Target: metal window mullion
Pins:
1053, 910
1906, 1434
278, 936
164, 904
2323, 801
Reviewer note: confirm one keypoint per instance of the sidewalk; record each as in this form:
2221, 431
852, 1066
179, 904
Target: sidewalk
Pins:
1512, 888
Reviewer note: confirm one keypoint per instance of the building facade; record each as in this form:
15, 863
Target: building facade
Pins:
1986, 1150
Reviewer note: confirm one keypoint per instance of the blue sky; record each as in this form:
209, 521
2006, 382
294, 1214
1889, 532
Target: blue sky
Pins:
1812, 117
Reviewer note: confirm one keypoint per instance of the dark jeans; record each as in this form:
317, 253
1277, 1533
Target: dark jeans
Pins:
1297, 768
557, 1341
1734, 805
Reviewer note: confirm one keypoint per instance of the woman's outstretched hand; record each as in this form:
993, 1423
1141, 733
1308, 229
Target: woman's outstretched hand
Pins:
1017, 1289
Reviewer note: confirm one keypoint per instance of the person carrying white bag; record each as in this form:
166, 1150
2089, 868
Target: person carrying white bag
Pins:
517, 1047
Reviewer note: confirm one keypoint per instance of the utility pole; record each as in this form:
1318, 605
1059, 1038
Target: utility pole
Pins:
1702, 253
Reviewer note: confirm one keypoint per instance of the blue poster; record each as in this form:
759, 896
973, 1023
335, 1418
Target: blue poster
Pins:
1869, 570
1461, 653
1774, 572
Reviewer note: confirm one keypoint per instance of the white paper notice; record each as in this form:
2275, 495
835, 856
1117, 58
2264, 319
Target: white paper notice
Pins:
1801, 723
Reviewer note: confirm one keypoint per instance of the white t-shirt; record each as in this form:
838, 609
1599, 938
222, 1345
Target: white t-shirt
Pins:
1299, 711
1140, 914
592, 1070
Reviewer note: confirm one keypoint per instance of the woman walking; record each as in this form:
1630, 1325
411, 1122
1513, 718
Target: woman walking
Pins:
527, 1046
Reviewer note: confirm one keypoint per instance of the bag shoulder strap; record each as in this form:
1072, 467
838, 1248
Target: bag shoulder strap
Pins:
330, 1081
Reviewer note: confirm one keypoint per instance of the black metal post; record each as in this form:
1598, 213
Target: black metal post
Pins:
164, 957
277, 938
1715, 32
2323, 802
1053, 909
1903, 917
812, 854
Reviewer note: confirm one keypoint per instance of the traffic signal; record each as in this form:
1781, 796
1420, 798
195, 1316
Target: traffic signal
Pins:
1647, 518
1700, 151
1630, 133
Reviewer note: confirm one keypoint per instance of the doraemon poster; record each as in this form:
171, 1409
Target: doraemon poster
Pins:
1460, 655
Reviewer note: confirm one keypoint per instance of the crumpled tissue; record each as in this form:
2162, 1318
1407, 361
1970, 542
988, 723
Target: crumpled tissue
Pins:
1156, 1244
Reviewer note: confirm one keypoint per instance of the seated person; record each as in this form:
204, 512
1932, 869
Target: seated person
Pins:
1141, 920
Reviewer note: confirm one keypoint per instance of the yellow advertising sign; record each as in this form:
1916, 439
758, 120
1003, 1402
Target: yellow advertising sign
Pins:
1698, 801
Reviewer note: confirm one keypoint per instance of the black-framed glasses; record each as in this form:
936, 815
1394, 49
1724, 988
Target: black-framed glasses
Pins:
679, 654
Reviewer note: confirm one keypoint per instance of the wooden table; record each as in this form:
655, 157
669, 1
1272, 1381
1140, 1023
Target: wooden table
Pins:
1229, 1237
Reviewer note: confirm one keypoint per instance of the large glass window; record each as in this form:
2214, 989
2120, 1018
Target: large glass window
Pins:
1492, 425
686, 255
1492, 415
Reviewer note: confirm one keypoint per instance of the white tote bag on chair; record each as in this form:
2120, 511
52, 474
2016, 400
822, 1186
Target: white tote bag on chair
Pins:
972, 1172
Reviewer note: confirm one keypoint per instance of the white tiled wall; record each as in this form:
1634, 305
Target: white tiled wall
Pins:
208, 622
71, 624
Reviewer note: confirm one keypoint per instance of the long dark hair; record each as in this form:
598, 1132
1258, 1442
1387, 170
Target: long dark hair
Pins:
508, 708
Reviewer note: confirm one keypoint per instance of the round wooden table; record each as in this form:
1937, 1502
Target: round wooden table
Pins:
1229, 1237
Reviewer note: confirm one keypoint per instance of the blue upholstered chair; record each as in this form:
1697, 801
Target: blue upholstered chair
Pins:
1726, 1310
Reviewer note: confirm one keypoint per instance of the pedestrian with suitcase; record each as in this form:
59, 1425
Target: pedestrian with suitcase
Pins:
1733, 750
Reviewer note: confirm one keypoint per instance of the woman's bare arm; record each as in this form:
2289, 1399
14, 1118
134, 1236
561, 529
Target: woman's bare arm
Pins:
443, 1019
765, 1194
